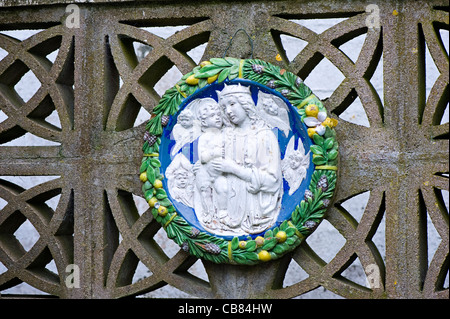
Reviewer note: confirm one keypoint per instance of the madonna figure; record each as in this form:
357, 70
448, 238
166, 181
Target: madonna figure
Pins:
251, 165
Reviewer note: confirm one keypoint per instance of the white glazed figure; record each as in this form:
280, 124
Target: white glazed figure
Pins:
295, 164
186, 130
251, 164
274, 112
179, 179
211, 185
236, 185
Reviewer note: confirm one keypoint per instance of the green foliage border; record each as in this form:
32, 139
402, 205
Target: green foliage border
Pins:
305, 217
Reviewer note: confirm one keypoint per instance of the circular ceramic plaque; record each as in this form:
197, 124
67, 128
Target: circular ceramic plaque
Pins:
240, 161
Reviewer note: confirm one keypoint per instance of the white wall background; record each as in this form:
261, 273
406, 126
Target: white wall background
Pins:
326, 240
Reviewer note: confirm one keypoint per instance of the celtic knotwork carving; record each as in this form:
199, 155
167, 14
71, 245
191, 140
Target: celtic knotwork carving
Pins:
165, 54
432, 109
359, 235
97, 85
433, 189
55, 229
136, 90
55, 91
137, 244
357, 75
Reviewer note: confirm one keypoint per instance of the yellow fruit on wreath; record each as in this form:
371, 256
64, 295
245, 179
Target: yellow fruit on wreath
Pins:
162, 211
312, 110
259, 241
143, 177
281, 236
242, 244
264, 255
205, 63
211, 79
158, 183
330, 122
311, 132
192, 80
152, 201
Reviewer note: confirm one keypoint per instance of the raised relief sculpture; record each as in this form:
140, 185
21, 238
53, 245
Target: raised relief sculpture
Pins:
185, 131
238, 177
179, 175
210, 184
274, 112
240, 161
295, 165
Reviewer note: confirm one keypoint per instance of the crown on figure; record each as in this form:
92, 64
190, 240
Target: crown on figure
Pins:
233, 89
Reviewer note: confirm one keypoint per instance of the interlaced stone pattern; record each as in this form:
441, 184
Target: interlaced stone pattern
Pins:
94, 229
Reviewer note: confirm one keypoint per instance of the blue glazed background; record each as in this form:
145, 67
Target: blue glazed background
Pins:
298, 129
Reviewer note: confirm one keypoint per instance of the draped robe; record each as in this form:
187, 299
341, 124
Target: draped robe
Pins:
253, 205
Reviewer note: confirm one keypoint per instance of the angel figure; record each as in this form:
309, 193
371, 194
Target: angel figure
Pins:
179, 180
186, 130
274, 111
295, 164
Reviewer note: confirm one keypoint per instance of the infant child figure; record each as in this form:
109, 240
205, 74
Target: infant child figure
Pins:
211, 184
185, 131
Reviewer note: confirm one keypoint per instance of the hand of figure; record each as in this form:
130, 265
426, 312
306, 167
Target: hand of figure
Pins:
222, 165
196, 167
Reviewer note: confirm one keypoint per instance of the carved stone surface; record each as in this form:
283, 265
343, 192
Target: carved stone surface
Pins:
97, 86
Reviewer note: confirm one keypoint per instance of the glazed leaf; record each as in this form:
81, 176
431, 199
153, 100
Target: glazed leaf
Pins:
219, 62
319, 160
144, 166
251, 256
250, 246
184, 77
316, 149
332, 154
148, 195
154, 125
290, 231
155, 162
165, 202
269, 243
328, 144
291, 240
146, 186
202, 83
208, 71
318, 139
234, 243
232, 76
232, 60
234, 69
151, 176
161, 196
223, 75
280, 248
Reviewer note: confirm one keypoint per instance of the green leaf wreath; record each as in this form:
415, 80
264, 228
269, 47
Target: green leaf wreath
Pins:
307, 214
